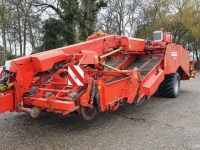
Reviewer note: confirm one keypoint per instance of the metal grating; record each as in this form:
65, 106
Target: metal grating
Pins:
158, 36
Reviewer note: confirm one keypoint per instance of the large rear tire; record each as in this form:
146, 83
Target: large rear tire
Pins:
170, 86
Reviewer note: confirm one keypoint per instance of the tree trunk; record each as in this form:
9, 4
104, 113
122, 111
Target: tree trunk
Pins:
24, 35
3, 29
19, 31
31, 34
4, 40
197, 54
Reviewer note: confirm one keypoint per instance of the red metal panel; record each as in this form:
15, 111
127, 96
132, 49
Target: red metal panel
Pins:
172, 59
24, 77
185, 60
153, 82
97, 45
19, 61
116, 91
112, 92
45, 61
168, 38
133, 44
6, 102
51, 104
134, 85
146, 83
176, 56
90, 57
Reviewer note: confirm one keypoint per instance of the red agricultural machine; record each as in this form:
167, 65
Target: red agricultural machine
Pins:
94, 76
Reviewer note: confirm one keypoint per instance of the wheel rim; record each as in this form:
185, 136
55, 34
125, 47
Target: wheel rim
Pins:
88, 113
176, 87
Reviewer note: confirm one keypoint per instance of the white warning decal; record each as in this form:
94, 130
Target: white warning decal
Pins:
174, 54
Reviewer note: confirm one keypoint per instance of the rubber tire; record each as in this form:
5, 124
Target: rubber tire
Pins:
170, 86
97, 102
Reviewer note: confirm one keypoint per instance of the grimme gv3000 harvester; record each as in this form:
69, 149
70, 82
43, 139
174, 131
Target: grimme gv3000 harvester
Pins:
94, 76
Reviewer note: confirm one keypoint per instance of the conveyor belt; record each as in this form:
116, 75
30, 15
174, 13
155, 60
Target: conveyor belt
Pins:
113, 63
143, 65
148, 66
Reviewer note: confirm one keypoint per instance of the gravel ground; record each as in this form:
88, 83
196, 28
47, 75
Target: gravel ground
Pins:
157, 124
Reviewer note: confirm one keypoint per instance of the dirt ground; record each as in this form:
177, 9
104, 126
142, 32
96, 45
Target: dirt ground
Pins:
157, 124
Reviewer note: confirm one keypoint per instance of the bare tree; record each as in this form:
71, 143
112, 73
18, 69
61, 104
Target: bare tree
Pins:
26, 23
4, 22
118, 17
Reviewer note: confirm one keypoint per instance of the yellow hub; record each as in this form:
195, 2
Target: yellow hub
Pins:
6, 87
